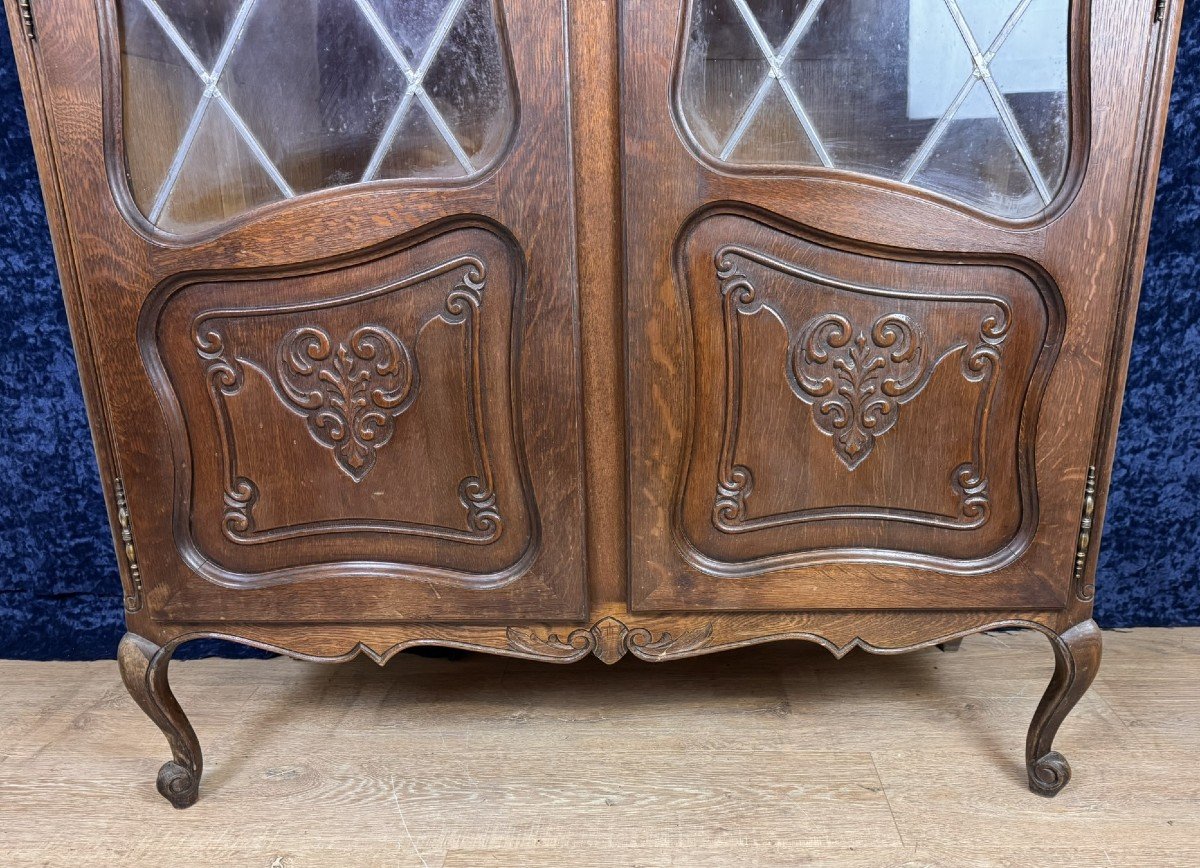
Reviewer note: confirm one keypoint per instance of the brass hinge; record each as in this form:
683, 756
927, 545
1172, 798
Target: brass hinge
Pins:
26, 7
1160, 10
133, 600
1085, 591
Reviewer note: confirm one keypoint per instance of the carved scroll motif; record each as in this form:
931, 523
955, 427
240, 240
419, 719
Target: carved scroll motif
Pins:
609, 639
855, 377
348, 393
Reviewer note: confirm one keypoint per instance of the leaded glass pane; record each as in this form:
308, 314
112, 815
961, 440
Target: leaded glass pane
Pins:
967, 98
233, 104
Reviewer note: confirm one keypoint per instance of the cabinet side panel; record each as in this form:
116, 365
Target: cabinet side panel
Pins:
1159, 72
37, 95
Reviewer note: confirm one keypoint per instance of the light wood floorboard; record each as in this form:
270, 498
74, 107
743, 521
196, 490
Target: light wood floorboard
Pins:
777, 755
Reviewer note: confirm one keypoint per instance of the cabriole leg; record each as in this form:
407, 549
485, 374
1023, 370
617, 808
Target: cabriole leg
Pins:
144, 671
1076, 660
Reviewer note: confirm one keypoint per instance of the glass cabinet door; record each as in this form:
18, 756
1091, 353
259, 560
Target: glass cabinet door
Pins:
326, 257
967, 98
233, 104
863, 283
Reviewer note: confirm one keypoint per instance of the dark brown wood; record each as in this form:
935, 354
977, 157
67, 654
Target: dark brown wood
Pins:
144, 670
1157, 91
607, 634
568, 335
961, 443
861, 534
1076, 661
595, 89
528, 337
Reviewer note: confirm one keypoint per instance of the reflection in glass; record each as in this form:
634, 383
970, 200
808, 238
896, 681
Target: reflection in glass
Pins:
964, 97
232, 104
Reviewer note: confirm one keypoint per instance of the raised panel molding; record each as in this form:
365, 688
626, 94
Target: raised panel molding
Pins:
856, 379
349, 395
919, 376
389, 382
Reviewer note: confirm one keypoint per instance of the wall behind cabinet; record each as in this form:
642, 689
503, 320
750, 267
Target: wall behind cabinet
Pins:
59, 597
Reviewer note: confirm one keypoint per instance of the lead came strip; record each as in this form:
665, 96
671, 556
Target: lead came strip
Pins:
943, 123
775, 62
981, 71
984, 74
211, 79
416, 87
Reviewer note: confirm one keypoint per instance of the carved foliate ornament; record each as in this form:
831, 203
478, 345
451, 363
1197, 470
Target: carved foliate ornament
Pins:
856, 378
349, 392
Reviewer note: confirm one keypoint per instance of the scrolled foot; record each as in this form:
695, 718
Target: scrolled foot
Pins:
1076, 661
1049, 774
178, 785
144, 671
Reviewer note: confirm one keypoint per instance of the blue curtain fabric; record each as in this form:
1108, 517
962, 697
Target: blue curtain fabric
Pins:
59, 594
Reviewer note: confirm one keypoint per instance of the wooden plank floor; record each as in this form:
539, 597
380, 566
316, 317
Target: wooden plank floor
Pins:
771, 756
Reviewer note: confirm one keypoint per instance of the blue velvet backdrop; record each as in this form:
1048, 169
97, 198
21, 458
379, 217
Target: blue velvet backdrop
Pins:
59, 596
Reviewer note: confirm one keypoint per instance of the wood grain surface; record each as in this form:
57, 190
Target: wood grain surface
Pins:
685, 377
532, 349
564, 491
779, 755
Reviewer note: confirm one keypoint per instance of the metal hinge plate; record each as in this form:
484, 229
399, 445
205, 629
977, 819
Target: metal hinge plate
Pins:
133, 599
26, 7
1160, 10
1085, 591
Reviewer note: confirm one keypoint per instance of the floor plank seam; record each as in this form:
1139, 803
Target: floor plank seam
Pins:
887, 798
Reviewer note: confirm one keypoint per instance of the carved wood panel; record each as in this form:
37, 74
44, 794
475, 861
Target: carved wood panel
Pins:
350, 413
866, 378
449, 484
857, 404
851, 469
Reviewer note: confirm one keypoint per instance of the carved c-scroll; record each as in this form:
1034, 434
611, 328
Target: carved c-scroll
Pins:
349, 394
855, 378
609, 639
